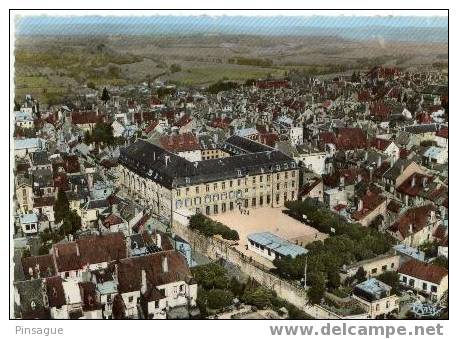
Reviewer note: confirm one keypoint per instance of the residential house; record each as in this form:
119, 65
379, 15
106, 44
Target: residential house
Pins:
415, 226
22, 147
427, 279
369, 207
376, 298
157, 283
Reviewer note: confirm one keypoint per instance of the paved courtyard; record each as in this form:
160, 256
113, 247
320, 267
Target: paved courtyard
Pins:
268, 219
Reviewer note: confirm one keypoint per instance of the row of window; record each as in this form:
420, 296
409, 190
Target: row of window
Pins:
246, 204
231, 183
411, 283
384, 268
261, 247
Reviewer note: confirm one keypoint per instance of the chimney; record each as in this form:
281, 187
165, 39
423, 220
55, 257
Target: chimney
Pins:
360, 204
359, 178
412, 184
342, 181
167, 159
402, 168
410, 228
114, 208
56, 250
31, 272
158, 240
424, 181
77, 250
365, 156
432, 216
165, 264
143, 288
379, 161
371, 171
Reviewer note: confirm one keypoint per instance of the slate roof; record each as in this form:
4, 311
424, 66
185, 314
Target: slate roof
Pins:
155, 163
277, 244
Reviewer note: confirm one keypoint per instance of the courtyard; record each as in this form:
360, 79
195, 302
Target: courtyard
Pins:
268, 219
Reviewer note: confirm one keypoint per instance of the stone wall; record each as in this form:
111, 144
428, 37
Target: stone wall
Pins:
216, 248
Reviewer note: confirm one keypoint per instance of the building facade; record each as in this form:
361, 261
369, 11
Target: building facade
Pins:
254, 176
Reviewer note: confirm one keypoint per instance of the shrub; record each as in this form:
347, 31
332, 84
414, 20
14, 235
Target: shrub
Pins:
217, 299
208, 227
260, 297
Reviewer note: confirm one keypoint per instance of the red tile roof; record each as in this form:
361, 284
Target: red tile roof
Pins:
413, 185
43, 201
350, 138
443, 132
380, 110
180, 143
219, 122
83, 118
418, 217
269, 139
424, 271
272, 84
55, 291
71, 164
111, 220
370, 202
89, 300
380, 144
130, 270
39, 266
89, 250
183, 121
424, 118
140, 117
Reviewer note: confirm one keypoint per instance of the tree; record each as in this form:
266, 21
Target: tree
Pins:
210, 276
26, 253
17, 106
87, 137
260, 297
105, 95
333, 279
441, 261
217, 299
91, 85
102, 133
317, 288
236, 286
391, 278
174, 68
360, 274
71, 224
61, 206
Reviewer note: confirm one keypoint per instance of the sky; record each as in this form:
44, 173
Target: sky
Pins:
411, 28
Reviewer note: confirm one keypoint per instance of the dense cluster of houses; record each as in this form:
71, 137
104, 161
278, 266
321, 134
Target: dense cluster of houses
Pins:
373, 147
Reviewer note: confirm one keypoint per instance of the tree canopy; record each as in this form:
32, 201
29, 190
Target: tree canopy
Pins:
105, 95
208, 227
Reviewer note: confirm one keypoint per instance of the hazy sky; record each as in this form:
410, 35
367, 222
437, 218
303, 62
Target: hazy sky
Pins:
434, 28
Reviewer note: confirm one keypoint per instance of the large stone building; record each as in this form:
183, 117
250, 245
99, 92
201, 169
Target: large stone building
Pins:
254, 175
